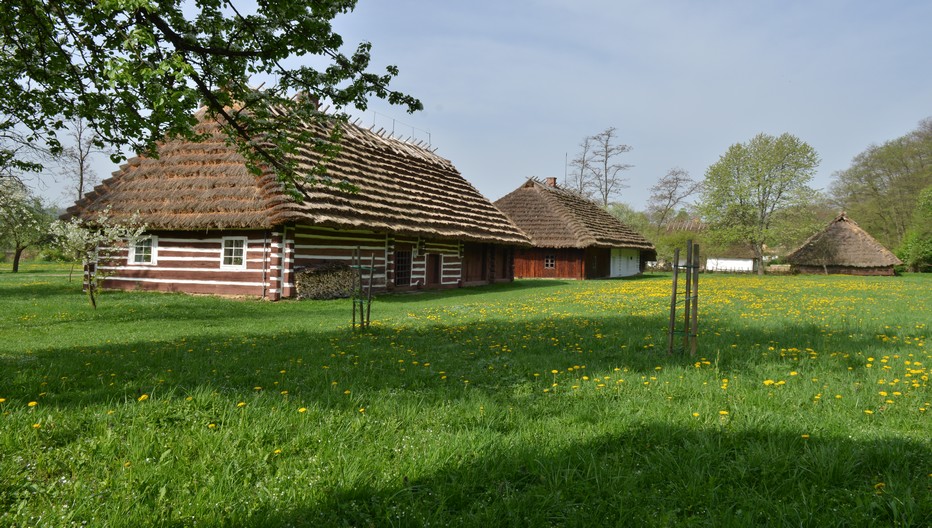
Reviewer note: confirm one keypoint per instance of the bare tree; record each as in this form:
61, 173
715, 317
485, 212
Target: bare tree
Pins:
580, 179
669, 194
606, 171
76, 159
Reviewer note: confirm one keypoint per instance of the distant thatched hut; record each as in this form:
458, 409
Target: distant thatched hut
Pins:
215, 227
573, 238
843, 247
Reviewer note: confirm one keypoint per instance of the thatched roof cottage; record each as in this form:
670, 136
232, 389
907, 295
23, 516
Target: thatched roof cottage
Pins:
215, 227
572, 237
843, 247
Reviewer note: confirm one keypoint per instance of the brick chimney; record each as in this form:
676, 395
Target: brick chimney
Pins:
551, 181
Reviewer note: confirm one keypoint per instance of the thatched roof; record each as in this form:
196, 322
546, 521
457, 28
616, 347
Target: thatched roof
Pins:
843, 243
403, 188
556, 218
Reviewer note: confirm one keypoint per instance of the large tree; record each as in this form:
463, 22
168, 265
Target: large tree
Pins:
751, 182
136, 70
605, 167
881, 187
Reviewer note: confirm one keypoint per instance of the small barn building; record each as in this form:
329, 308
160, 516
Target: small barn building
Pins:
843, 248
215, 227
571, 237
733, 259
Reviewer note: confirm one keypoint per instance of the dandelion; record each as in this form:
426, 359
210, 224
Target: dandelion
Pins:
211, 426
768, 382
284, 393
804, 436
143, 398
36, 426
277, 451
362, 410
723, 413
241, 404
302, 410
127, 464
347, 391
2, 400
695, 415
258, 388
32, 404
868, 411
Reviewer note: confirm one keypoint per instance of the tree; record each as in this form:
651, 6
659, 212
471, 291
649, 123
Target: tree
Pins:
76, 159
93, 242
751, 182
580, 179
629, 216
24, 222
136, 70
668, 195
916, 249
881, 187
606, 171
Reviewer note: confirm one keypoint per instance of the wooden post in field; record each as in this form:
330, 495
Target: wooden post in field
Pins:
694, 327
690, 300
676, 258
687, 306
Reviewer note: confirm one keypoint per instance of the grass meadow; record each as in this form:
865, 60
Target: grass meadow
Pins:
537, 403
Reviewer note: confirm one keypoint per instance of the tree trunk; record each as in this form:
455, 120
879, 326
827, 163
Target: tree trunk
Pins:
16, 255
759, 255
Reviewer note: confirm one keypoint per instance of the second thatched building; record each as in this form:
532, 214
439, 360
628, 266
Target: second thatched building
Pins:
572, 237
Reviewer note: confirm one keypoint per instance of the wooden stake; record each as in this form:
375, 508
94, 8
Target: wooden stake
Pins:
676, 258
694, 327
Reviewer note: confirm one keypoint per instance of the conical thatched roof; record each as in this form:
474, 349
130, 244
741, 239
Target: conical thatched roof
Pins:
843, 243
556, 218
403, 188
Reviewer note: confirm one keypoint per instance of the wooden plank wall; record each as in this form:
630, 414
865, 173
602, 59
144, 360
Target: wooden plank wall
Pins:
190, 262
529, 263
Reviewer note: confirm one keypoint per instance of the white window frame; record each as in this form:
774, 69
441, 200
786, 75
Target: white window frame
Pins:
223, 247
153, 251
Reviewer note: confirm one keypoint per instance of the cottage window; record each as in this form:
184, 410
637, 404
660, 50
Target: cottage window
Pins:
234, 253
143, 250
402, 268
550, 261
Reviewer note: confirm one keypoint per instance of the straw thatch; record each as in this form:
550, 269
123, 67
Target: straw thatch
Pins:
403, 188
556, 218
842, 244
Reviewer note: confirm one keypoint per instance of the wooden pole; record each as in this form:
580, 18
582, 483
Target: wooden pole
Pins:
694, 327
687, 304
676, 257
369, 292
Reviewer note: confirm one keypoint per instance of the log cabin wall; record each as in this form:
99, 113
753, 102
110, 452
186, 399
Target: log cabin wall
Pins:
317, 245
194, 263
567, 263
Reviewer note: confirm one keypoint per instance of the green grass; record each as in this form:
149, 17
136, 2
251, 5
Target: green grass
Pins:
808, 404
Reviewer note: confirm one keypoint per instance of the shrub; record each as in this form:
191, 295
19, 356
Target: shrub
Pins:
329, 280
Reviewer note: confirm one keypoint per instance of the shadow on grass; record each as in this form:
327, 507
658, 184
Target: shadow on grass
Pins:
647, 475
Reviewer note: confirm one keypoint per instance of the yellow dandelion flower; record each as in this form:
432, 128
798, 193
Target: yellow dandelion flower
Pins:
241, 404
347, 391
302, 409
36, 426
804, 436
284, 392
277, 451
554, 371
794, 373
723, 413
143, 398
211, 426
695, 415
868, 411
768, 382
127, 464
257, 388
32, 404
2, 400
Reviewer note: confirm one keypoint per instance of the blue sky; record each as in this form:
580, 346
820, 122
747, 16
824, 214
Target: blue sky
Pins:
511, 88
